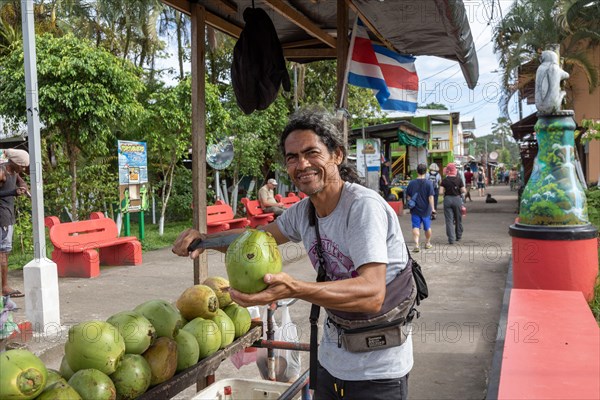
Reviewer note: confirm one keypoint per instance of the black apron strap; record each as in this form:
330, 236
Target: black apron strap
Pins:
315, 310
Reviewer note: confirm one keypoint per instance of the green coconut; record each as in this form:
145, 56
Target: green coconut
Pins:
240, 316
132, 377
220, 286
249, 258
59, 390
162, 358
22, 375
65, 371
226, 327
188, 351
165, 318
94, 344
93, 384
198, 301
137, 331
53, 377
207, 335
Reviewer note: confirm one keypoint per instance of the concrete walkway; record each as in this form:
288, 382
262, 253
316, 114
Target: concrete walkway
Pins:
453, 340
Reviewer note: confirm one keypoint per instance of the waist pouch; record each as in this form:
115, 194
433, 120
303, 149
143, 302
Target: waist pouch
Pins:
372, 338
382, 331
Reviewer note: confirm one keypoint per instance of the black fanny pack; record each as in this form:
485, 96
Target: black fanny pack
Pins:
358, 332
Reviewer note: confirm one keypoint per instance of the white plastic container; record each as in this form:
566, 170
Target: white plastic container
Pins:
246, 389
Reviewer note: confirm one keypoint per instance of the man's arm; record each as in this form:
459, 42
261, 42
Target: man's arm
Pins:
364, 293
185, 238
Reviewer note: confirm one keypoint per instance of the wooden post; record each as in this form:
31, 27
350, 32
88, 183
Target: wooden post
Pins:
342, 56
198, 20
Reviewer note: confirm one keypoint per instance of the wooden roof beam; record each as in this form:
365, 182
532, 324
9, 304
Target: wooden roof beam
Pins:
309, 53
369, 25
300, 20
301, 43
228, 7
223, 25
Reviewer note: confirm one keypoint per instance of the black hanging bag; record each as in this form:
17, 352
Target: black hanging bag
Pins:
258, 67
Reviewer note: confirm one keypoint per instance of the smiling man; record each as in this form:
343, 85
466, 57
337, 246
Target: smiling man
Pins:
354, 241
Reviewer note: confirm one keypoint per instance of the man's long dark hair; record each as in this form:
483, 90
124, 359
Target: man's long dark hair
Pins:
324, 125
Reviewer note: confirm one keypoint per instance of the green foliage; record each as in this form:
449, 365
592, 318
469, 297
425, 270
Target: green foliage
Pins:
166, 126
593, 202
505, 157
179, 207
256, 137
530, 26
493, 143
85, 96
23, 228
434, 106
595, 303
154, 241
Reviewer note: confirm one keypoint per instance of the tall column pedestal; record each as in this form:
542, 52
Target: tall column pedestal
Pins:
555, 258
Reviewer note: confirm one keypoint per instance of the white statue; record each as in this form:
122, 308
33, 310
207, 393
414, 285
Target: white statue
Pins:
548, 95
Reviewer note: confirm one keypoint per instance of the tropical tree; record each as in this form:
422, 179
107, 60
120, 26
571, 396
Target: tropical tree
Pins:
86, 95
167, 126
174, 20
434, 106
501, 129
531, 26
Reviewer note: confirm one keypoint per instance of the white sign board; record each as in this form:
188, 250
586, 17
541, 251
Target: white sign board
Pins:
368, 156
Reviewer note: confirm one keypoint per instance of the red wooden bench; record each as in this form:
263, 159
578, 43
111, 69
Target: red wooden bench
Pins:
288, 200
220, 218
81, 246
255, 213
551, 347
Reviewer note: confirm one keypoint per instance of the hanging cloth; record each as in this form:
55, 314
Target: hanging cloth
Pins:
258, 67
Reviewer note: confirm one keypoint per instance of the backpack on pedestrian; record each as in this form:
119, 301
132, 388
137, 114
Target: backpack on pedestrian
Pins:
433, 177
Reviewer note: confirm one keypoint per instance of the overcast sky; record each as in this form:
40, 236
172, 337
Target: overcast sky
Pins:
442, 81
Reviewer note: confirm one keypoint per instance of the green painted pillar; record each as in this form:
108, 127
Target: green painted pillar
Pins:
127, 224
142, 233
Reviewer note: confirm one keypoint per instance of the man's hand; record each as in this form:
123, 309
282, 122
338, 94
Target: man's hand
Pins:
279, 288
21, 191
180, 247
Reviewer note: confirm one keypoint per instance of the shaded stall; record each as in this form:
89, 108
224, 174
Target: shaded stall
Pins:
314, 30
310, 30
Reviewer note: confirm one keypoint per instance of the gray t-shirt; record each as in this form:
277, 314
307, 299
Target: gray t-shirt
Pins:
362, 229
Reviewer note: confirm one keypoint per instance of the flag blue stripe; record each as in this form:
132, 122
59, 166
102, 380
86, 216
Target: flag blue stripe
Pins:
398, 105
370, 83
401, 58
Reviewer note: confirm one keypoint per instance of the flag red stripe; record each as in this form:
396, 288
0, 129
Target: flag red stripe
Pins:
363, 51
399, 77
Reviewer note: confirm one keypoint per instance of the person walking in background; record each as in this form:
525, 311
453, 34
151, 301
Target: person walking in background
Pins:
434, 176
384, 179
420, 190
452, 188
468, 183
11, 185
266, 198
481, 182
512, 178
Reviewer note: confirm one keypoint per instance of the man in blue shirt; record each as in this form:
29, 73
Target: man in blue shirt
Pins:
421, 191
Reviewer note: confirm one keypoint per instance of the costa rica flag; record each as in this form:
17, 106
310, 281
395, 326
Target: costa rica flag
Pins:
392, 76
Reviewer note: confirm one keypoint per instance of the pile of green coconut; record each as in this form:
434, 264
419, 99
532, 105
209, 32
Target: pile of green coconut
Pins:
134, 350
